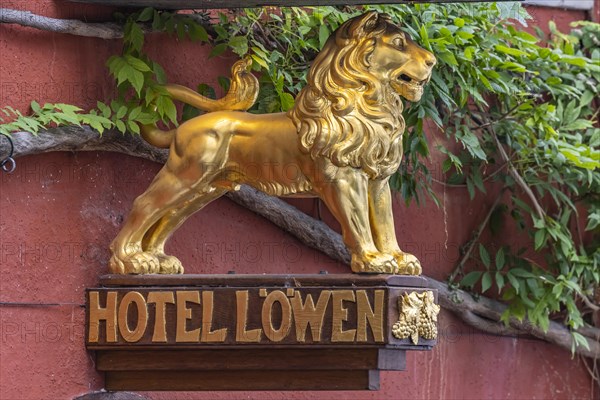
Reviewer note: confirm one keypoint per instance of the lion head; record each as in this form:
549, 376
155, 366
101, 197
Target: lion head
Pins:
351, 109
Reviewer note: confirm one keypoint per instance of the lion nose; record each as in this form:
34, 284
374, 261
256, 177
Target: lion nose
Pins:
430, 59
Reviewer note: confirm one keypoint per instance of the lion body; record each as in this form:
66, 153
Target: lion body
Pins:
340, 142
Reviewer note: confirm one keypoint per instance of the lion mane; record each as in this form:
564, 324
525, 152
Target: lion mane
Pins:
344, 113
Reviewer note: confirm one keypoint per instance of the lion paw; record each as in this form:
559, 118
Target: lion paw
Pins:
140, 263
115, 265
408, 264
374, 263
169, 264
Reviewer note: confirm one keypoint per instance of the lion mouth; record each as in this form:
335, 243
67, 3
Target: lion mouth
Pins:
410, 81
409, 86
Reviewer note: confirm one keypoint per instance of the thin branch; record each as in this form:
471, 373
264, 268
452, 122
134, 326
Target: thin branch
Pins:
499, 118
589, 331
588, 302
475, 239
593, 371
483, 313
517, 177
105, 30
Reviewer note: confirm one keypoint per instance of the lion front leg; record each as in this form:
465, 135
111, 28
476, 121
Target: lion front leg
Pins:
383, 229
346, 195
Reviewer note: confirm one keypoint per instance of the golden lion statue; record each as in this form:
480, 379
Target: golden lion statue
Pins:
341, 142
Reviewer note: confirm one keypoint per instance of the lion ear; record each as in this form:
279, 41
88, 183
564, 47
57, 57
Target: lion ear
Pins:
365, 24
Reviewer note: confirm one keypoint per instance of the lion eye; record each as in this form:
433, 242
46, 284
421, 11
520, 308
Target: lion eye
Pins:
399, 41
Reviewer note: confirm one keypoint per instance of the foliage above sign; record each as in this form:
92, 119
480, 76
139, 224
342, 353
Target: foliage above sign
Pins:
206, 4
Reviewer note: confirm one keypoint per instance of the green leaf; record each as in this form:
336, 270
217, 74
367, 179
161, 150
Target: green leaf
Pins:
484, 255
287, 101
577, 61
448, 57
526, 37
169, 108
159, 73
511, 51
189, 112
540, 239
146, 14
323, 35
239, 45
137, 80
181, 30
513, 281
470, 188
135, 37
260, 61
35, 107
121, 113
121, 126
499, 281
580, 340
104, 109
134, 113
486, 282
136, 63
471, 278
500, 259
133, 127
198, 33
218, 50
124, 73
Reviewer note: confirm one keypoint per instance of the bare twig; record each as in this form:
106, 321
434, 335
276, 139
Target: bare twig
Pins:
516, 176
588, 302
499, 118
474, 240
105, 30
483, 313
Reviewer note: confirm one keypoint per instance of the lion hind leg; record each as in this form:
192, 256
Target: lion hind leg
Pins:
155, 239
165, 193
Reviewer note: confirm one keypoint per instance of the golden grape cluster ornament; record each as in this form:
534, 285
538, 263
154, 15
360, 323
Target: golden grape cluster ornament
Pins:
418, 317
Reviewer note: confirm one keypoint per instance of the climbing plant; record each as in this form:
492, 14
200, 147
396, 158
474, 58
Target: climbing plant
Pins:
517, 111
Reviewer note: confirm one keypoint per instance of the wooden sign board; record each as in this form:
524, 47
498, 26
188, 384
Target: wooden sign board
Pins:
261, 332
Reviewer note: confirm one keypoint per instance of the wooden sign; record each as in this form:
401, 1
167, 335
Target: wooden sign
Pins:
261, 332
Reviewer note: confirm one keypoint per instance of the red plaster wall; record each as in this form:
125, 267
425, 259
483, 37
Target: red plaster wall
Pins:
58, 213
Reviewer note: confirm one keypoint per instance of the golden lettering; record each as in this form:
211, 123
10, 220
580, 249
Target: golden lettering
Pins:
207, 315
367, 315
108, 314
142, 317
160, 299
276, 335
340, 314
184, 314
309, 314
241, 334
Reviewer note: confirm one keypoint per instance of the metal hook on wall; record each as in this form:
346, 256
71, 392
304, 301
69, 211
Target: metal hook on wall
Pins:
8, 163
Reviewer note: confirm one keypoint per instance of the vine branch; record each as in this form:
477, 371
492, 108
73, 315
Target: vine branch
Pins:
483, 313
513, 171
475, 238
103, 30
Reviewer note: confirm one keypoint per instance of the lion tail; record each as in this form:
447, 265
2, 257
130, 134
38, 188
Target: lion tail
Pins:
242, 95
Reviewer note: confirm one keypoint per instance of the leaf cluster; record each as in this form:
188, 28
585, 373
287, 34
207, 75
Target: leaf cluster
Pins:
497, 90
